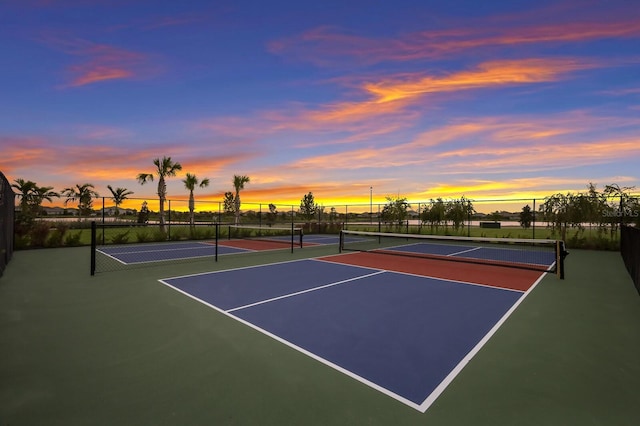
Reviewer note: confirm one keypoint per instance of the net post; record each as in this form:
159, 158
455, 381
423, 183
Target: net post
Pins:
292, 236
561, 253
301, 236
93, 247
217, 232
341, 243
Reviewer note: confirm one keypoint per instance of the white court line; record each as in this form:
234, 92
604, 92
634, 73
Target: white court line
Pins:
463, 363
440, 388
464, 251
305, 291
312, 355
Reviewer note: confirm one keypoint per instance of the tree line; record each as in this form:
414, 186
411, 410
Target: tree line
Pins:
604, 209
32, 195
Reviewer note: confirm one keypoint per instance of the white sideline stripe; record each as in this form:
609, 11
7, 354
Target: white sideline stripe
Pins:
464, 251
312, 355
424, 406
463, 363
207, 246
305, 291
114, 258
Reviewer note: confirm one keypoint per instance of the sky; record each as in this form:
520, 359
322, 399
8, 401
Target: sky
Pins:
354, 101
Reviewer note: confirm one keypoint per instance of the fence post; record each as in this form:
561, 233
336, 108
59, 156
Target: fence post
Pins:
534, 218
217, 232
93, 247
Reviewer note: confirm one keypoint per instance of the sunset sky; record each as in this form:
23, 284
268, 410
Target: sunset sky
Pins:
416, 98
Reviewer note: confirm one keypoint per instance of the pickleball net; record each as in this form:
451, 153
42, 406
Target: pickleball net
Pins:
535, 254
285, 236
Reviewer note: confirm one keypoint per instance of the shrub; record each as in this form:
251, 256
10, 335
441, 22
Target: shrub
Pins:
56, 236
158, 235
39, 233
121, 238
143, 236
73, 239
178, 234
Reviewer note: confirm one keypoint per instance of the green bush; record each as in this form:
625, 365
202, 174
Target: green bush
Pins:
121, 238
38, 234
143, 237
56, 236
158, 235
73, 239
178, 234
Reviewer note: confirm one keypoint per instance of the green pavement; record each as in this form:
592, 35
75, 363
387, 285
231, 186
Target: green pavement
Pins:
121, 348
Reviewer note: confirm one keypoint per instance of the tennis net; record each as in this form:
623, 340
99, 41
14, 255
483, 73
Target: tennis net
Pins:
540, 255
285, 236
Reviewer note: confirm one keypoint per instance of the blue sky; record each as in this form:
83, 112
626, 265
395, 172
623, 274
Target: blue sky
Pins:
422, 99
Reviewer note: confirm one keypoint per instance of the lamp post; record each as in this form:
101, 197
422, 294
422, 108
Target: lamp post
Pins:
371, 204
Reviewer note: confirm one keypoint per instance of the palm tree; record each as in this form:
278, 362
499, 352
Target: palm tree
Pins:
118, 196
42, 193
165, 168
190, 182
238, 184
25, 192
31, 196
84, 194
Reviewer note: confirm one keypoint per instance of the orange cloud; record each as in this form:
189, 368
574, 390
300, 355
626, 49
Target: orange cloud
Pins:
99, 62
325, 46
488, 74
386, 105
103, 63
499, 145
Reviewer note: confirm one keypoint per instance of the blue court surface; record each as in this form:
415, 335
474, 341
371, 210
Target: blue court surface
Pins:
144, 253
405, 335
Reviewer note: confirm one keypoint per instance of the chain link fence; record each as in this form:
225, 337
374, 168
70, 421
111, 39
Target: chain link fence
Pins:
7, 211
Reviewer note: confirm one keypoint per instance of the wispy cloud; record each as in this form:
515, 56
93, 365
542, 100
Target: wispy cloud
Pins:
103, 62
326, 46
386, 105
496, 145
97, 62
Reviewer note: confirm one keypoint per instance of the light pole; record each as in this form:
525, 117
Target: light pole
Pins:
371, 204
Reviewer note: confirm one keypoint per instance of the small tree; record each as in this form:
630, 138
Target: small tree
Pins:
395, 211
238, 184
308, 207
457, 211
272, 215
164, 168
84, 195
229, 205
435, 214
143, 215
190, 182
526, 217
118, 196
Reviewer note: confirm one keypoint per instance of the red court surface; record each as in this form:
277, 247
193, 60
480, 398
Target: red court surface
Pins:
495, 276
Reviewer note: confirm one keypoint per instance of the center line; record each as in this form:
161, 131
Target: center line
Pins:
304, 291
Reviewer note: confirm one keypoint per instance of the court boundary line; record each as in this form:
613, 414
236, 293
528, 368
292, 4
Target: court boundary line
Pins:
300, 349
442, 385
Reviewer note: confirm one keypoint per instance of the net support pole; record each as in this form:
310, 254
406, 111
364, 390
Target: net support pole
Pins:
93, 248
217, 232
292, 236
561, 253
341, 243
